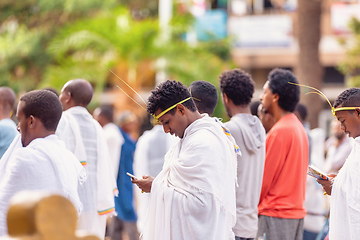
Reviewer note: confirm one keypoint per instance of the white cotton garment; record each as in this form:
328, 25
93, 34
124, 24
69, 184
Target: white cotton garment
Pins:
193, 197
345, 199
84, 137
149, 160
114, 140
336, 154
46, 165
314, 197
249, 135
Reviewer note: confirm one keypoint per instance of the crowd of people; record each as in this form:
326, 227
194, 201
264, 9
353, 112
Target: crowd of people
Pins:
191, 176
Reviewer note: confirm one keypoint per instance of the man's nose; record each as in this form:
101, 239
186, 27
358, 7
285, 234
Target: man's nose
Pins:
261, 97
166, 129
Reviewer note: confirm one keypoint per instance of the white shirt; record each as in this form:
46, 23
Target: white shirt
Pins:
45, 164
345, 198
314, 197
114, 140
336, 155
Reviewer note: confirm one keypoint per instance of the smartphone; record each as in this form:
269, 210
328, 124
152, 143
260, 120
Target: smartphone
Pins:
130, 175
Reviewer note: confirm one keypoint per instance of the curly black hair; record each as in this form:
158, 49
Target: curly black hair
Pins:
167, 94
289, 94
237, 85
44, 105
205, 96
348, 98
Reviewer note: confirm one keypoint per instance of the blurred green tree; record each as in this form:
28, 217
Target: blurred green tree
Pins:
44, 43
26, 27
113, 39
350, 66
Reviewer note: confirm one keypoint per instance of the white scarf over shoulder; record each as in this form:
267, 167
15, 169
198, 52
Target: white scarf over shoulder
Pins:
193, 197
69, 131
345, 198
45, 164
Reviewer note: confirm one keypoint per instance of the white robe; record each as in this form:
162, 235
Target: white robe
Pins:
149, 160
336, 154
85, 138
193, 197
114, 140
315, 204
45, 164
345, 198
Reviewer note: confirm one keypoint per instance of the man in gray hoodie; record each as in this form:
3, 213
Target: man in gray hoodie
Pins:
237, 90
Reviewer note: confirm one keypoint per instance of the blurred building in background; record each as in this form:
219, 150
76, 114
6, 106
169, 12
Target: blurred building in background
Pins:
265, 35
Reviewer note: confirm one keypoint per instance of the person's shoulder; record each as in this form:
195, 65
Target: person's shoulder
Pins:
242, 120
50, 147
31, 162
204, 135
145, 136
7, 125
278, 131
287, 127
231, 124
28, 156
66, 119
112, 129
287, 122
245, 122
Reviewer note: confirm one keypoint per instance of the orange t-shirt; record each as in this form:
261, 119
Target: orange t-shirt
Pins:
286, 161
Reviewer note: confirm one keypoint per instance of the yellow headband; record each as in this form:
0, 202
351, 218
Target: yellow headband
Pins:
345, 108
168, 109
318, 92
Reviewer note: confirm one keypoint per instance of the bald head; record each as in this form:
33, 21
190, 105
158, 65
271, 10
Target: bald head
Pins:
80, 92
7, 100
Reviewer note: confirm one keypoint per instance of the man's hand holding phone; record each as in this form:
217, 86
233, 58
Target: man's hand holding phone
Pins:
144, 184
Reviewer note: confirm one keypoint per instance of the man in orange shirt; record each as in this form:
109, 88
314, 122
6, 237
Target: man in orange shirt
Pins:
281, 205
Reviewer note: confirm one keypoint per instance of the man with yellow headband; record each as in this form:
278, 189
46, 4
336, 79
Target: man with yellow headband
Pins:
193, 197
344, 188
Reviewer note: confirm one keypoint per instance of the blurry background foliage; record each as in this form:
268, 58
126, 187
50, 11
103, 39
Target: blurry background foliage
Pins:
350, 66
45, 43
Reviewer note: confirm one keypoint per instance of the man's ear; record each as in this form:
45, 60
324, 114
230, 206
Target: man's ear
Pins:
181, 109
32, 121
225, 97
68, 97
275, 97
357, 112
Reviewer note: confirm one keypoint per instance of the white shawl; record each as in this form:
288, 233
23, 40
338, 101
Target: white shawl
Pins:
345, 198
193, 197
69, 131
45, 164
